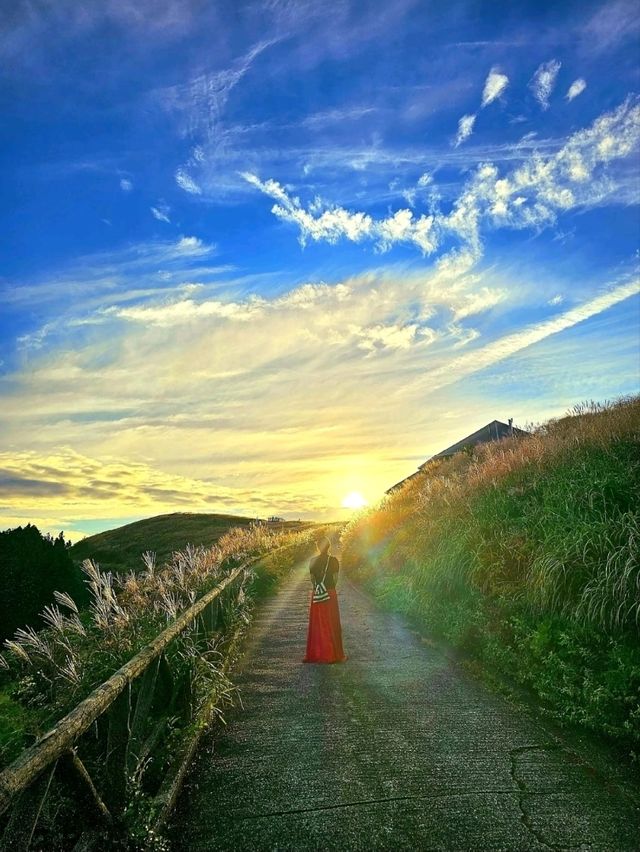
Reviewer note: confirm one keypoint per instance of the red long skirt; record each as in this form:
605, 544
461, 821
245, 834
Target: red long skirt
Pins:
324, 639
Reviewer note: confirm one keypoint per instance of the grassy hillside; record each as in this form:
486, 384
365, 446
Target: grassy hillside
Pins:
121, 549
525, 554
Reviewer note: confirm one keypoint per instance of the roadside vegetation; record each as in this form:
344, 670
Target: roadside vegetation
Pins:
46, 672
525, 556
119, 550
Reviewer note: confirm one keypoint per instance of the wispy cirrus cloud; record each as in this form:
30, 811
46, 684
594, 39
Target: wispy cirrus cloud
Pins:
494, 86
465, 129
161, 213
138, 268
531, 196
172, 313
186, 182
245, 371
510, 344
31, 29
609, 26
200, 102
543, 81
199, 105
576, 88
328, 117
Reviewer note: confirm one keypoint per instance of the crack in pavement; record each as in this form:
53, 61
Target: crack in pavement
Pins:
381, 801
522, 791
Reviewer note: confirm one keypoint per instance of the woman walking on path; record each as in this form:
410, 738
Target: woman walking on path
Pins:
324, 638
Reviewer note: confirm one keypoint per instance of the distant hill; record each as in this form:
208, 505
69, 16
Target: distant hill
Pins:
121, 549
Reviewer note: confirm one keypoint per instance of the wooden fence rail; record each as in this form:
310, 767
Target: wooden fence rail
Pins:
127, 730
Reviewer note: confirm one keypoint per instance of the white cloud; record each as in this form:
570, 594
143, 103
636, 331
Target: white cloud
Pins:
535, 193
187, 310
126, 185
558, 299
186, 182
222, 351
576, 88
463, 335
31, 30
543, 81
508, 345
530, 196
494, 86
161, 213
192, 246
333, 164
465, 129
321, 222
478, 301
335, 116
199, 106
410, 195
379, 337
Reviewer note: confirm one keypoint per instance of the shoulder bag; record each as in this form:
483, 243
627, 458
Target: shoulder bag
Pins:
320, 593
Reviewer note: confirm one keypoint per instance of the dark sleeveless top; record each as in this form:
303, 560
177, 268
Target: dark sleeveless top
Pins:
316, 569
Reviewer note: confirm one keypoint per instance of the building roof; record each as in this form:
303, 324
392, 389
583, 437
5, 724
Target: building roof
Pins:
494, 431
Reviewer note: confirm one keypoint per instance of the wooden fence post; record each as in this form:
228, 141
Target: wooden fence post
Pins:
115, 762
211, 617
139, 723
73, 773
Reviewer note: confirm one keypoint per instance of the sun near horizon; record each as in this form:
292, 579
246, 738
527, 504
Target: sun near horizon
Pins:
354, 500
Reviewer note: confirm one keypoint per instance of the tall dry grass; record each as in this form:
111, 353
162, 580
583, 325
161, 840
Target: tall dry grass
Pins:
526, 554
54, 667
551, 519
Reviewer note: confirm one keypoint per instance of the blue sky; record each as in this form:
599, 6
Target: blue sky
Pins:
257, 256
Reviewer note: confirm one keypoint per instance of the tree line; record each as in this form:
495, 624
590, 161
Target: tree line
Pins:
32, 567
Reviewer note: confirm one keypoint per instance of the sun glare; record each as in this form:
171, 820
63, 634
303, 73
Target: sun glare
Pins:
354, 500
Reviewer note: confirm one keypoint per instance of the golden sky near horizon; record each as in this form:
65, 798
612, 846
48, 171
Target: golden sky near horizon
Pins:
286, 409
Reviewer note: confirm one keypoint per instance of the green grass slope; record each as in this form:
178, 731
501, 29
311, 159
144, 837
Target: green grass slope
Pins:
121, 549
525, 554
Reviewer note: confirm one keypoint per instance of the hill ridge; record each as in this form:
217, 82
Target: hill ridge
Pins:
121, 548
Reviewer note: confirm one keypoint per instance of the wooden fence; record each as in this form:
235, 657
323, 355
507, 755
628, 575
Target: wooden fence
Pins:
92, 754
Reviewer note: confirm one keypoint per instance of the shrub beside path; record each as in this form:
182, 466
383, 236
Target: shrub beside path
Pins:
396, 749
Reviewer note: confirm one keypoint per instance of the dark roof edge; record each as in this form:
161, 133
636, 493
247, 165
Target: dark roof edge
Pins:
469, 439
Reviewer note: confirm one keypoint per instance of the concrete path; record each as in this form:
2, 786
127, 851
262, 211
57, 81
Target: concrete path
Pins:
396, 749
